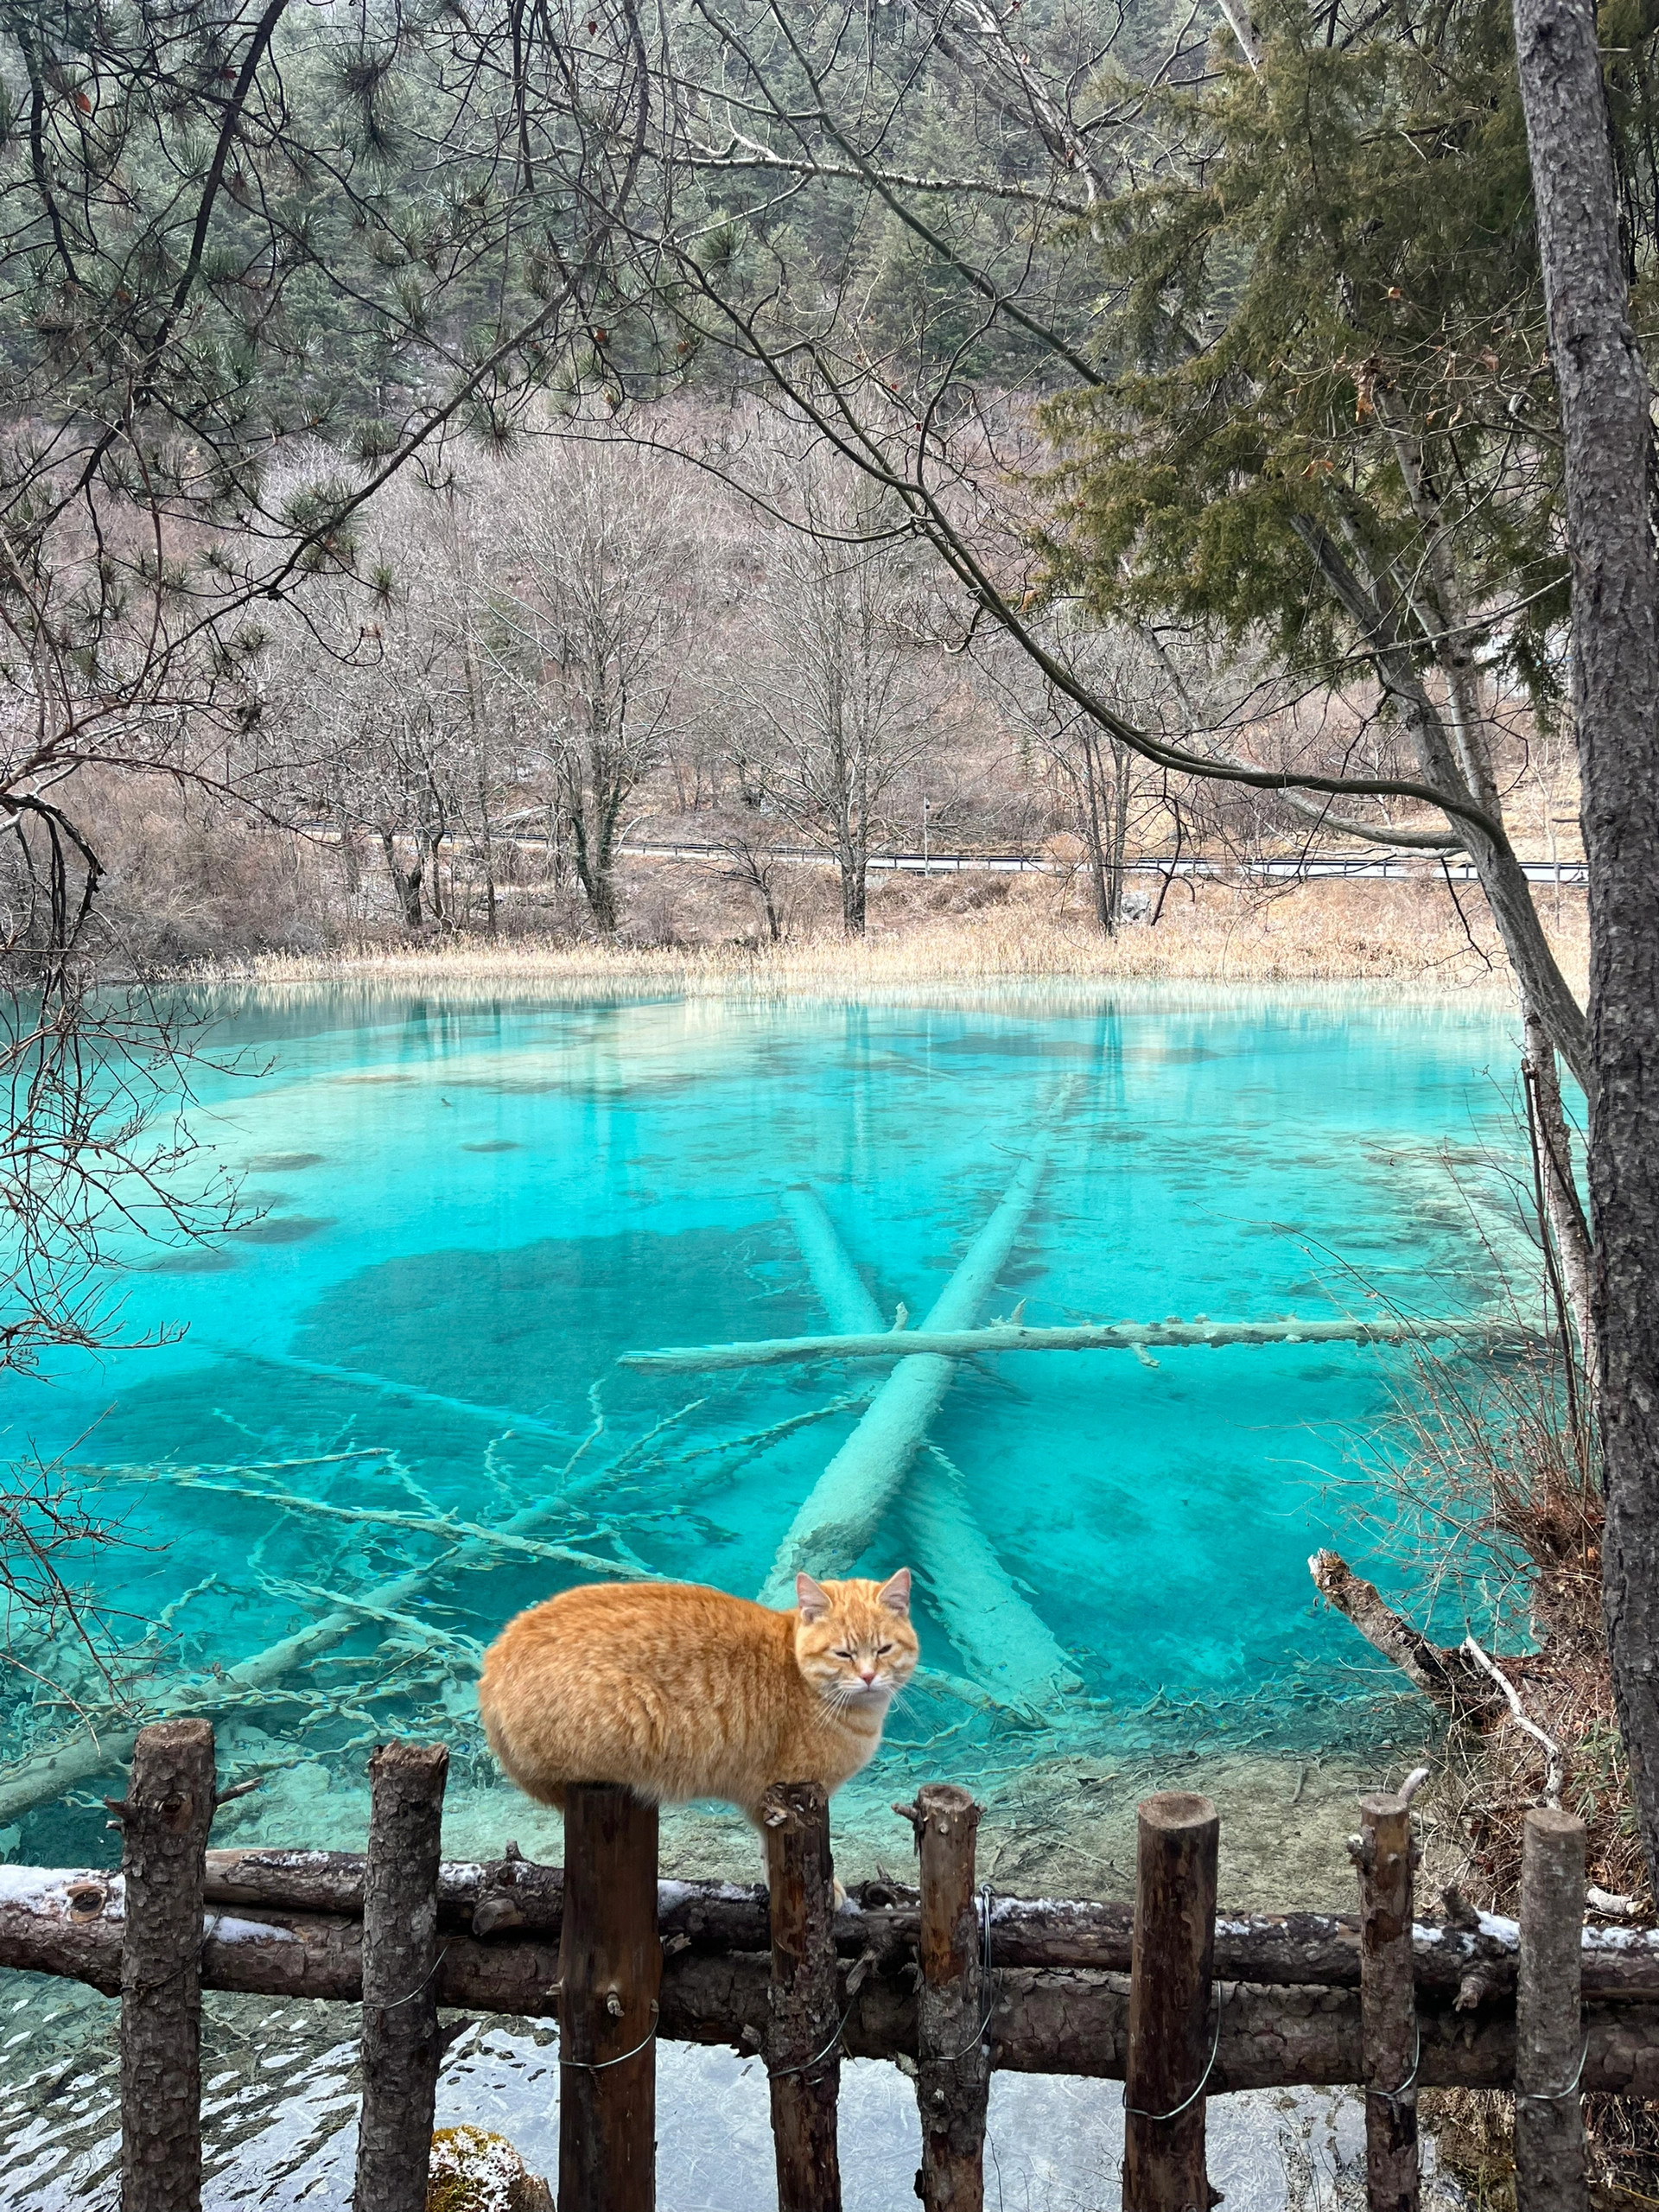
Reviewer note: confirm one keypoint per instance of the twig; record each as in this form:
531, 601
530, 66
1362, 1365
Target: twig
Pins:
1554, 1767
448, 1531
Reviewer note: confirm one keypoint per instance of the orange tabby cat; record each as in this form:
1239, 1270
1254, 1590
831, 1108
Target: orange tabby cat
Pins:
680, 1692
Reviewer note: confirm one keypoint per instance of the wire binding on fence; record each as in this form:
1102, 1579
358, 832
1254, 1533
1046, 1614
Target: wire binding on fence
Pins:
1175, 2111
599, 2065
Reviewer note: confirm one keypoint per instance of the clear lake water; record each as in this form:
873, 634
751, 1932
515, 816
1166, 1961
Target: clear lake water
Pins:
462, 1209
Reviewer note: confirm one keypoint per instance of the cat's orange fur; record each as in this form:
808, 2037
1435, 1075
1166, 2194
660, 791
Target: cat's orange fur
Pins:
680, 1692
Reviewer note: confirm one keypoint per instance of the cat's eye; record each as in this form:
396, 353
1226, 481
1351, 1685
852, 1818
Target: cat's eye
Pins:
841, 1654
881, 1649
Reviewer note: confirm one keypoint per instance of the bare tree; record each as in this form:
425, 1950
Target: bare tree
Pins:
590, 607
840, 704
1110, 790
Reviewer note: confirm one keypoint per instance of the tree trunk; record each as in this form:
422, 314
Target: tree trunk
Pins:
1095, 835
405, 882
855, 862
1605, 403
1564, 1221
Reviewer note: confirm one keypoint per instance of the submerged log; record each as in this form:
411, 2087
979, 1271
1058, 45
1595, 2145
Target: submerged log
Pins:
1011, 1651
107, 1732
841, 1514
942, 1338
1057, 2020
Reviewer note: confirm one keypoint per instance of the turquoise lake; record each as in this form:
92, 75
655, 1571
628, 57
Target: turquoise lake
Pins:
467, 1207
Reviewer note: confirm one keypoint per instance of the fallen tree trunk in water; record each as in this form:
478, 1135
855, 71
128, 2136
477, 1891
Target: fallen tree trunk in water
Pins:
840, 1515
1010, 1647
1442, 1672
937, 1338
1058, 2019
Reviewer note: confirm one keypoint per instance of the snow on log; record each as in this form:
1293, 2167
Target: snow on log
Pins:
883, 1919
1056, 2019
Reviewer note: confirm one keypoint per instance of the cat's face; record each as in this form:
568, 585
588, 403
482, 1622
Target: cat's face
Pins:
854, 1641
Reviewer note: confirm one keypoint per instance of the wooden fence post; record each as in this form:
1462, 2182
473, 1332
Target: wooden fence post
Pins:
1173, 2029
1383, 1852
164, 1820
610, 1975
400, 1969
1549, 2033
804, 2049
954, 2080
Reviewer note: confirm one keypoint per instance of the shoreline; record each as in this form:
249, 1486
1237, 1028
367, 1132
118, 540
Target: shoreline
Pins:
1320, 934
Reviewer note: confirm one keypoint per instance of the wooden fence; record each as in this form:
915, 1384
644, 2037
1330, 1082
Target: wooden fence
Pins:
944, 1980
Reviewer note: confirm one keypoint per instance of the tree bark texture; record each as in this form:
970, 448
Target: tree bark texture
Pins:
67, 1917
1044, 2020
802, 2045
1605, 403
1172, 2033
1564, 1217
1549, 2109
610, 1978
164, 1822
1448, 1675
399, 1967
1387, 2004
953, 2081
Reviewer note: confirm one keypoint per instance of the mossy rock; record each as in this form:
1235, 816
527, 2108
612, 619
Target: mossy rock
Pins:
472, 2171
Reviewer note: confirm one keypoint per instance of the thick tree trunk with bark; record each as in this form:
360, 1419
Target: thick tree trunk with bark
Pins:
1605, 402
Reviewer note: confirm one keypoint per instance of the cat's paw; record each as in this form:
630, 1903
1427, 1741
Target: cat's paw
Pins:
838, 1893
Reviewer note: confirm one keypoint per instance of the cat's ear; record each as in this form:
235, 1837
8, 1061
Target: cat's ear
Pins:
811, 1597
895, 1593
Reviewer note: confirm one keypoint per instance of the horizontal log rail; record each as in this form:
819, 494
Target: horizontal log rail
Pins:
1139, 1337
1053, 2019
1290, 2013
1471, 1955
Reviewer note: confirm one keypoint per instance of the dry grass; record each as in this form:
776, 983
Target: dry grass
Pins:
1503, 1468
985, 932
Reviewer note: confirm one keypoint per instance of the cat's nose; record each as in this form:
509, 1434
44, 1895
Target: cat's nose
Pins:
867, 1675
